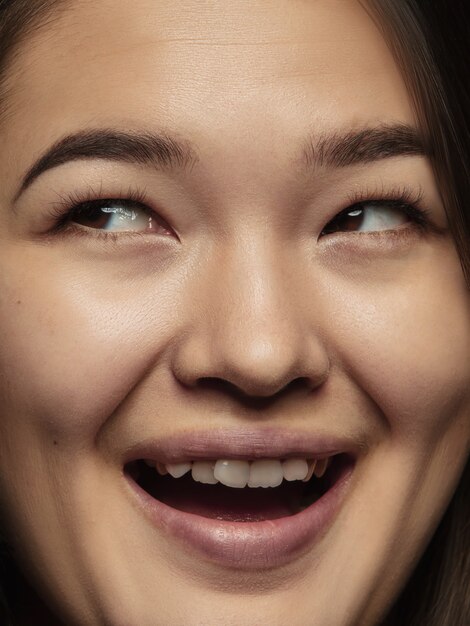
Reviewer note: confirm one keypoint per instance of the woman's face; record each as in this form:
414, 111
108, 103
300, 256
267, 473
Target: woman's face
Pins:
217, 306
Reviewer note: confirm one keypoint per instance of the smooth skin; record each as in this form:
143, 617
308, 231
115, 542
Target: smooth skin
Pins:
107, 342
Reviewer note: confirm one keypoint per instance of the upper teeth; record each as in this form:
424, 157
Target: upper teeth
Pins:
239, 473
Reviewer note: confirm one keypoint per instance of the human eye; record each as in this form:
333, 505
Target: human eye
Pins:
379, 213
105, 217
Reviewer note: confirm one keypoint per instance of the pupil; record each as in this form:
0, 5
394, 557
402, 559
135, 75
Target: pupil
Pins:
92, 216
354, 219
350, 220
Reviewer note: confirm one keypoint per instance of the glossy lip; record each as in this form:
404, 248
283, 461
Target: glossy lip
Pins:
242, 444
244, 545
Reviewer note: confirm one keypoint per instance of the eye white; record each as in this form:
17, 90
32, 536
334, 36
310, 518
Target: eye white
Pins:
378, 217
124, 219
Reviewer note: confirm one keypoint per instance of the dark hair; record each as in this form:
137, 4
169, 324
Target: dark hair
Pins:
430, 41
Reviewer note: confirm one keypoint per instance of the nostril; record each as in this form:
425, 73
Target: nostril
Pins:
261, 397
255, 368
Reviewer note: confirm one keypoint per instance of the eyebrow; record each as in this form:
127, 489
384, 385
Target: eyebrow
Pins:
331, 150
145, 148
363, 146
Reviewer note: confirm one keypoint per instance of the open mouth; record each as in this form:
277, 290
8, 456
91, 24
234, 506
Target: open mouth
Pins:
241, 490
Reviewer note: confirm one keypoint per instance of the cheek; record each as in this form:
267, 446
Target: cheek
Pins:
74, 344
408, 348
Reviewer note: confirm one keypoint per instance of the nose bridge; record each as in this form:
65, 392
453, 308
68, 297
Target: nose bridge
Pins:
255, 296
251, 329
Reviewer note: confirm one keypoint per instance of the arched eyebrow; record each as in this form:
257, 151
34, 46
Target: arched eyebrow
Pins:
160, 150
362, 146
332, 150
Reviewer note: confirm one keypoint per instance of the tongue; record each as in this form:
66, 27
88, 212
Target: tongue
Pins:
226, 503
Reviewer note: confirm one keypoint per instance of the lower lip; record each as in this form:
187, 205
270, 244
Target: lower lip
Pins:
247, 545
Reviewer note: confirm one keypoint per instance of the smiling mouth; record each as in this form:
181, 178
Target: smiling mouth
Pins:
274, 488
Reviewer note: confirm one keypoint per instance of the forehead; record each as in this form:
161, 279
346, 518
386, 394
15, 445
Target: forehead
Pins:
207, 67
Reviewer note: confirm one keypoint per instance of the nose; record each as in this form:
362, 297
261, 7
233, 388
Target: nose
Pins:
251, 328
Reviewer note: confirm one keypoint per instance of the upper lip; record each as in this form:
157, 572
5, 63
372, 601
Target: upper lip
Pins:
244, 444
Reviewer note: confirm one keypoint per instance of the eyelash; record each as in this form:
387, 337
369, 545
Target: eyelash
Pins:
403, 199
71, 205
